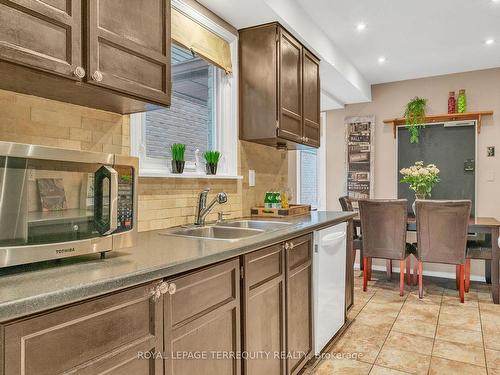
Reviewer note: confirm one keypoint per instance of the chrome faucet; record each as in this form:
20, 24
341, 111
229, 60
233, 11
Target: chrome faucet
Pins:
204, 209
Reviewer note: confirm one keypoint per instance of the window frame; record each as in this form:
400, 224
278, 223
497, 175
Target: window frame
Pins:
321, 168
226, 115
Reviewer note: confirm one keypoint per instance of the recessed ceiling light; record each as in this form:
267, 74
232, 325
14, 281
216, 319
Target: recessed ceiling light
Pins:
381, 59
496, 1
489, 41
360, 26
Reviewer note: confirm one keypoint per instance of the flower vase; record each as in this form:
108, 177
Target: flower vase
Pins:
417, 196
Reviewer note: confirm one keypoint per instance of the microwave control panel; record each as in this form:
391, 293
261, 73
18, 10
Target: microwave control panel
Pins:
125, 199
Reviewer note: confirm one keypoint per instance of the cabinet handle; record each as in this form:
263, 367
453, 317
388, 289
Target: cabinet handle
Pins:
155, 293
79, 72
286, 245
97, 76
163, 287
306, 139
291, 245
172, 288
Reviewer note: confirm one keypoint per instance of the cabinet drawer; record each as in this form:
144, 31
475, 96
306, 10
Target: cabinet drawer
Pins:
90, 337
201, 292
299, 252
263, 265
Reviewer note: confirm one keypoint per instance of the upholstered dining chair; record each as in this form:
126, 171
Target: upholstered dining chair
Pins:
383, 224
357, 244
442, 236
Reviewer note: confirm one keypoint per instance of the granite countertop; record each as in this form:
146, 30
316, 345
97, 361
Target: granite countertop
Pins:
29, 289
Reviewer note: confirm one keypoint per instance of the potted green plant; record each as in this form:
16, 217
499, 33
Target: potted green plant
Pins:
421, 179
415, 117
178, 150
212, 158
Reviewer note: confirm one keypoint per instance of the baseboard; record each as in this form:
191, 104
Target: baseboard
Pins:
445, 275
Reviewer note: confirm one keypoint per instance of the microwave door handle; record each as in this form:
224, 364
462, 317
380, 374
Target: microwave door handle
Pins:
113, 200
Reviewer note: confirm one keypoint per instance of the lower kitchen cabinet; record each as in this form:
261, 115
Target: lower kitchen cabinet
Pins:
102, 335
349, 274
299, 327
264, 310
202, 318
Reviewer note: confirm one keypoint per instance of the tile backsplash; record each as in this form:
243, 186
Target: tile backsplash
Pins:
163, 202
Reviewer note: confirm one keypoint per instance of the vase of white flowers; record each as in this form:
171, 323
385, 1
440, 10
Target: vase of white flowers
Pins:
421, 179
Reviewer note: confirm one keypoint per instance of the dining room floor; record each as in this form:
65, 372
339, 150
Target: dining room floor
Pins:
389, 334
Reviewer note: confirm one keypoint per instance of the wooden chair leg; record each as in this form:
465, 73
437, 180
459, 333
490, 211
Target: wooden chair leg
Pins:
365, 273
415, 273
462, 283
388, 268
420, 280
408, 272
467, 275
457, 276
361, 264
401, 278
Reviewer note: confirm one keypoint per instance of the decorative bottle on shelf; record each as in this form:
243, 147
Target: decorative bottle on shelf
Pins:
268, 200
462, 101
452, 103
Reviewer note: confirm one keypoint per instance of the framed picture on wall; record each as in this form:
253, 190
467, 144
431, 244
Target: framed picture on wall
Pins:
359, 132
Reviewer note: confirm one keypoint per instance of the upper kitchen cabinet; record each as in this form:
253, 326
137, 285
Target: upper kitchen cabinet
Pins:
43, 35
107, 55
279, 89
128, 47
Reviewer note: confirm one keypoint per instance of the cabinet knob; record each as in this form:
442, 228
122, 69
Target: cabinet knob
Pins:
306, 139
97, 76
79, 72
172, 288
155, 293
291, 245
163, 287
286, 245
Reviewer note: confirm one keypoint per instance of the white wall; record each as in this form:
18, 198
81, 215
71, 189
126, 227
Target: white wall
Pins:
388, 101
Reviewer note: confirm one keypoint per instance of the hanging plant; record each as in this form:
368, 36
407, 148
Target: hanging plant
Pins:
415, 117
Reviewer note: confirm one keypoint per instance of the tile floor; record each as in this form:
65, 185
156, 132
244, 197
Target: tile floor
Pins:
389, 334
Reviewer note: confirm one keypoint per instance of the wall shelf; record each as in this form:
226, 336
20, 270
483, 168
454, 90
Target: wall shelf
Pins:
395, 122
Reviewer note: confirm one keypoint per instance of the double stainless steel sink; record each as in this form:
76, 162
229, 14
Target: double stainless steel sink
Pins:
228, 231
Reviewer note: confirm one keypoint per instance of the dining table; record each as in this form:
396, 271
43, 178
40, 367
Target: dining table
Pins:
477, 225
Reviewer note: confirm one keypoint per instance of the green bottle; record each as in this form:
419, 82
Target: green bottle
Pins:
461, 102
268, 200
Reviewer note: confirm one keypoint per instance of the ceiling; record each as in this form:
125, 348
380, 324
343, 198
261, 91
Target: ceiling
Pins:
418, 39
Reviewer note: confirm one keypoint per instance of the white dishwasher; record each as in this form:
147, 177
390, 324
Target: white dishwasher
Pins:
329, 267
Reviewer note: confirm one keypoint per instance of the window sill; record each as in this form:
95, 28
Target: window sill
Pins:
189, 175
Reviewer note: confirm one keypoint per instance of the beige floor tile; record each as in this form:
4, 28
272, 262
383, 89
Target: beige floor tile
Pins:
365, 347
428, 298
407, 324
459, 335
389, 308
459, 352
411, 362
491, 339
379, 370
441, 366
376, 320
464, 319
342, 367
408, 342
493, 371
422, 313
493, 358
470, 300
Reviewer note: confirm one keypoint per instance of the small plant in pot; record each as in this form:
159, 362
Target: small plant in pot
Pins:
211, 160
178, 150
415, 117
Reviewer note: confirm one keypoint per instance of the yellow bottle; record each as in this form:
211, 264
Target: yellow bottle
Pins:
284, 199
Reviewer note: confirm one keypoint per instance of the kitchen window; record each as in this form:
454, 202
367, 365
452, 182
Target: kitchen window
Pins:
311, 173
202, 114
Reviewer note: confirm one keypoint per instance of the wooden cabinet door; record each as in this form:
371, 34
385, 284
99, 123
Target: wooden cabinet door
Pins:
290, 88
44, 35
128, 47
202, 322
264, 310
311, 99
103, 335
299, 332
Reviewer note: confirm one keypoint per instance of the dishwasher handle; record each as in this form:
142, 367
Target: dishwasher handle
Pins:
332, 238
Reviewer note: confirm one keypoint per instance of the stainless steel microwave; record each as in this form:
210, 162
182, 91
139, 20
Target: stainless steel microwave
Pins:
56, 203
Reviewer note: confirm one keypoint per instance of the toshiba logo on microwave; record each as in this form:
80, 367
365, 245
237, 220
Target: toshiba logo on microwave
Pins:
67, 250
